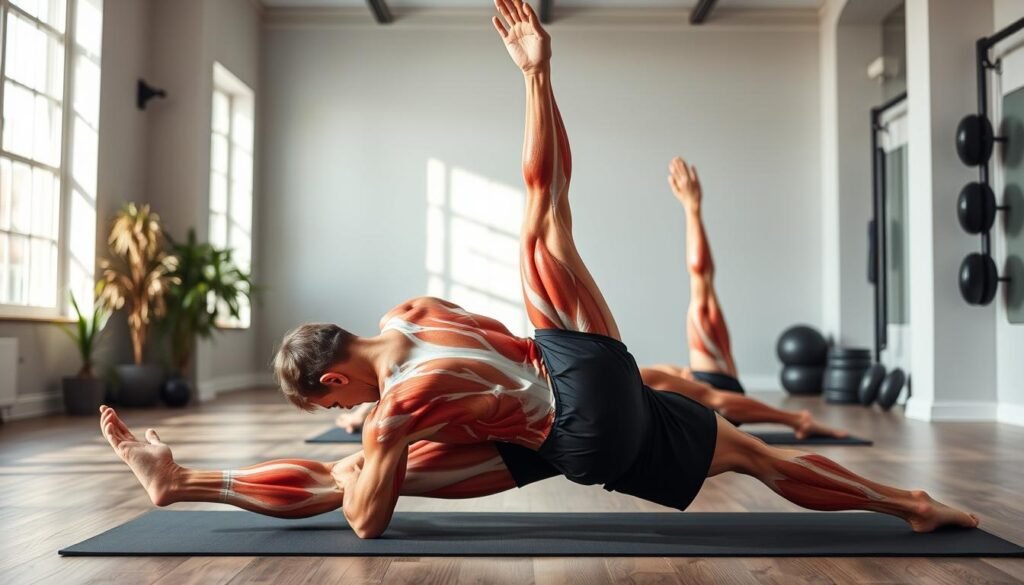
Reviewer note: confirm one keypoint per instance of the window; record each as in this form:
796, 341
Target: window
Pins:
231, 174
48, 153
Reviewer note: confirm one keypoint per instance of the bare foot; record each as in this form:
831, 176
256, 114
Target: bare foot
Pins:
931, 514
808, 426
150, 460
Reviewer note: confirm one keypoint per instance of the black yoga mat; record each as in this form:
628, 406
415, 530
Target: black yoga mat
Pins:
788, 438
338, 435
811, 534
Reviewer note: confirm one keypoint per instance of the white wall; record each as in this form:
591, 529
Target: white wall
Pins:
231, 36
953, 344
189, 35
354, 114
1009, 338
850, 37
46, 353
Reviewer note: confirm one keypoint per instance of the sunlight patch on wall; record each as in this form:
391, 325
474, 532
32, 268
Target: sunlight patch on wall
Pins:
472, 248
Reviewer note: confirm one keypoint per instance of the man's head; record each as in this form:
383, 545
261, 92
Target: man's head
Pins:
309, 365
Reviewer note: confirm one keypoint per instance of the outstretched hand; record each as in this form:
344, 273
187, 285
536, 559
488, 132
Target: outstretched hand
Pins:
685, 183
527, 42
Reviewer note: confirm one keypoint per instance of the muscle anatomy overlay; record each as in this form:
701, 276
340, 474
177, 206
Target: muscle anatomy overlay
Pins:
466, 379
287, 488
705, 324
559, 291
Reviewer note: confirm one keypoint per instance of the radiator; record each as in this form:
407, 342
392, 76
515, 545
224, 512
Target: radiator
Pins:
8, 371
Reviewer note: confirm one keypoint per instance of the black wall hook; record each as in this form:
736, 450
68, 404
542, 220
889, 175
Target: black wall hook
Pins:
146, 92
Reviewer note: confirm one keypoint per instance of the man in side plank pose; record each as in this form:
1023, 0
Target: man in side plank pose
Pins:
467, 409
711, 377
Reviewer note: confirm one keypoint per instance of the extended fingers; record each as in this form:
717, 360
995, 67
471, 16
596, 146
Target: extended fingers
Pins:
508, 11
499, 26
152, 437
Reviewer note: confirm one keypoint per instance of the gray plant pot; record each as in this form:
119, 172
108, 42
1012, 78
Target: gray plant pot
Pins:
83, 396
139, 384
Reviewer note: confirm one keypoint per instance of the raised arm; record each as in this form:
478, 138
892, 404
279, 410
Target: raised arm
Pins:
371, 495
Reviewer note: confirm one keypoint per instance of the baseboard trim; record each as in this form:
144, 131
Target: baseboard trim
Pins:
952, 410
1011, 414
35, 404
209, 389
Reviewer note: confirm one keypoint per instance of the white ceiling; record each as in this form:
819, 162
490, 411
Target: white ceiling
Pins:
558, 3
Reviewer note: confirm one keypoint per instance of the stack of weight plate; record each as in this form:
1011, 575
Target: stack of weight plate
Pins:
845, 368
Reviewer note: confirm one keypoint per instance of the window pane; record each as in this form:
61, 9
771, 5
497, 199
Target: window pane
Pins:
84, 156
52, 12
89, 25
17, 272
5, 196
221, 112
218, 193
241, 246
4, 287
241, 205
218, 230
242, 130
26, 50
19, 112
45, 188
244, 313
87, 90
43, 274
36, 57
47, 132
241, 166
21, 202
219, 154
83, 230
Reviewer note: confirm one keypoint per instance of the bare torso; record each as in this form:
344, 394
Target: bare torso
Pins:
463, 378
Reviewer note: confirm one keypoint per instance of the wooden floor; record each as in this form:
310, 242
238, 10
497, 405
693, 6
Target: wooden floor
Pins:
60, 483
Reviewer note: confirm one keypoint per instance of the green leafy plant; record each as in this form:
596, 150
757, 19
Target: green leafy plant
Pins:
207, 286
86, 333
137, 272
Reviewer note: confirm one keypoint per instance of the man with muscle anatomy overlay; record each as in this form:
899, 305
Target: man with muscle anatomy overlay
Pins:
467, 409
711, 377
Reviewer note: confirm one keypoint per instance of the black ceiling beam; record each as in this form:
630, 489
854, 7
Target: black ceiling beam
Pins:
547, 7
701, 11
381, 11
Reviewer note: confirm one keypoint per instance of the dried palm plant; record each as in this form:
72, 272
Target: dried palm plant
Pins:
137, 272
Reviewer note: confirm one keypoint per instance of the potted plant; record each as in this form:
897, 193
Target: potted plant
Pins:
84, 392
206, 286
136, 276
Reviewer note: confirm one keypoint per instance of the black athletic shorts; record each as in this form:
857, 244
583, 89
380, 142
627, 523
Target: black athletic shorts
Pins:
720, 381
610, 429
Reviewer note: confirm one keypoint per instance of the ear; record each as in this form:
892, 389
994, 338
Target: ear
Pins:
333, 379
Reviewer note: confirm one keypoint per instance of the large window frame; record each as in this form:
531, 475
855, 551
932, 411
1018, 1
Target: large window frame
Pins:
230, 209
74, 172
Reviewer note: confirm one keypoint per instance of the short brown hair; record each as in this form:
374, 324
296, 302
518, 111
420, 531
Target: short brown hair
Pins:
305, 354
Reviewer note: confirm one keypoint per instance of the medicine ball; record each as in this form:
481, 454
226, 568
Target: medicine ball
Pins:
801, 345
974, 138
802, 379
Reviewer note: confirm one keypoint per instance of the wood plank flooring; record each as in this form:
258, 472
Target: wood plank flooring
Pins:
60, 483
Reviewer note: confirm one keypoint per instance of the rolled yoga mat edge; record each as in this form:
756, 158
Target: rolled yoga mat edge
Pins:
338, 435
462, 534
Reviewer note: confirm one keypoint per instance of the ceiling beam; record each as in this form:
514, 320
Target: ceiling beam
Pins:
381, 11
546, 9
701, 11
